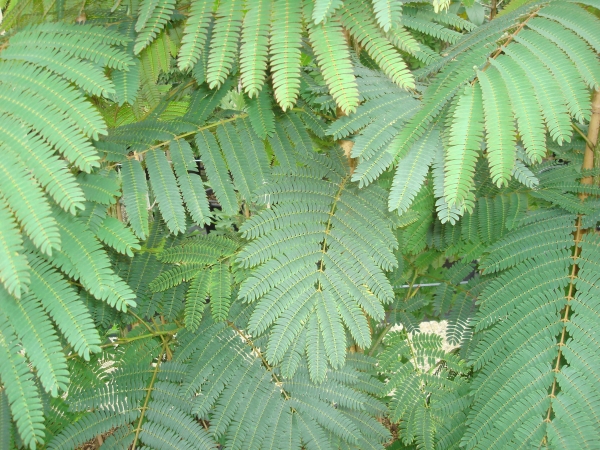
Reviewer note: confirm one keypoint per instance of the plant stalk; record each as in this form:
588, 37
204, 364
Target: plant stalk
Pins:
588, 163
592, 138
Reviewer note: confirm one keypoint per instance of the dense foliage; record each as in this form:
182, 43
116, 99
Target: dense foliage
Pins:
223, 222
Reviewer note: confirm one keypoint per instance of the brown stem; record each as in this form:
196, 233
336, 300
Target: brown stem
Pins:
494, 9
119, 210
509, 40
588, 163
566, 310
592, 137
583, 136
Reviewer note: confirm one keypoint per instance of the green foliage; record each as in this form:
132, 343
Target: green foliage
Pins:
364, 30
333, 57
532, 64
323, 257
271, 32
222, 363
428, 386
223, 44
298, 224
205, 263
152, 18
21, 391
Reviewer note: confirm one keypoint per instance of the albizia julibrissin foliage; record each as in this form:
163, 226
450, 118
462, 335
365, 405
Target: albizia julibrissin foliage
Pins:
221, 224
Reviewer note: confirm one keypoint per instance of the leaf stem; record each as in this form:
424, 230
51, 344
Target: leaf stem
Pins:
188, 133
588, 163
500, 49
126, 340
389, 326
257, 351
148, 394
585, 138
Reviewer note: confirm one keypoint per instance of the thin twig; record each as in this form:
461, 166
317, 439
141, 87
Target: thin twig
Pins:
508, 41
189, 133
148, 394
585, 138
494, 9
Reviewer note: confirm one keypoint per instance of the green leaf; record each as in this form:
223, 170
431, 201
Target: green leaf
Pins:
14, 269
261, 114
91, 425
571, 16
387, 13
294, 355
53, 126
216, 170
190, 183
83, 42
135, 192
315, 351
284, 51
364, 29
257, 155
430, 28
220, 291
203, 102
194, 34
127, 84
83, 258
329, 418
298, 135
6, 425
176, 419
166, 191
323, 9
476, 13
235, 156
145, 11
553, 108
195, 299
49, 169
525, 106
466, 134
282, 149
581, 55
28, 203
332, 54
116, 235
224, 42
99, 187
412, 170
290, 325
65, 307
574, 90
20, 388
254, 48
330, 324
175, 276
52, 89
154, 15
83, 73
366, 113
39, 339
499, 126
